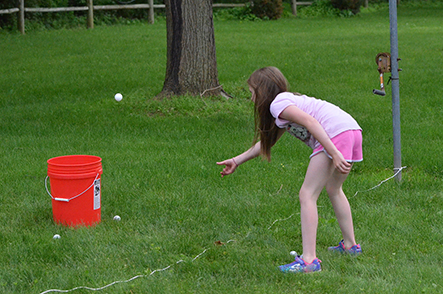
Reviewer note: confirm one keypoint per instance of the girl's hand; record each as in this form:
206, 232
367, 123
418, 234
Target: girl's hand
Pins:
341, 164
230, 167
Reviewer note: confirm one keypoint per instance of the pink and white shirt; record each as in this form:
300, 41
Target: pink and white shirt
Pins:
333, 119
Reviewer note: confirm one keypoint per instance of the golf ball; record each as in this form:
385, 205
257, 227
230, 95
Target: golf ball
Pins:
118, 97
56, 236
117, 218
293, 253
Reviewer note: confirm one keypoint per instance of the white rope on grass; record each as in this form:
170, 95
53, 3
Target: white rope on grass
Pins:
382, 182
279, 189
128, 280
375, 187
118, 282
280, 220
199, 255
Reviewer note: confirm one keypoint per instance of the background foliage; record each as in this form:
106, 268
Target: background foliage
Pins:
254, 10
267, 9
351, 5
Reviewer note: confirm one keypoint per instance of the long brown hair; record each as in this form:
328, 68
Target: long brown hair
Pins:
266, 83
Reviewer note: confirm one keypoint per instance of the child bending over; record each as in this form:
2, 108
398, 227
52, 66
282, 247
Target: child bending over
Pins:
336, 140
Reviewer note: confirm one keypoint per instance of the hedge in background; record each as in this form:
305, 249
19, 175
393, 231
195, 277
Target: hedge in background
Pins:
351, 5
271, 9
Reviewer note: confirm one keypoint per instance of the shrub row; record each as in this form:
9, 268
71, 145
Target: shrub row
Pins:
255, 9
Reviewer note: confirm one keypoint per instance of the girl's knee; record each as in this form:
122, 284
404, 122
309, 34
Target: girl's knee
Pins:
306, 196
333, 191
303, 193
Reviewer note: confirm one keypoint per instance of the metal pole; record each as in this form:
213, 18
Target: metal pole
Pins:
395, 87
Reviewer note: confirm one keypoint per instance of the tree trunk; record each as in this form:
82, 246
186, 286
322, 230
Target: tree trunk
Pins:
191, 61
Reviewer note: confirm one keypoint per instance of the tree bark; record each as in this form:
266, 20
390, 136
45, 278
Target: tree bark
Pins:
191, 60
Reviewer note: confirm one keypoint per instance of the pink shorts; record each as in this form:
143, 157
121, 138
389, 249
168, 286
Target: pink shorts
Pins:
349, 143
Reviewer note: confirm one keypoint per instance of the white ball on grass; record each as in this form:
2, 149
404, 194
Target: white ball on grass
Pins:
117, 218
56, 236
293, 253
118, 97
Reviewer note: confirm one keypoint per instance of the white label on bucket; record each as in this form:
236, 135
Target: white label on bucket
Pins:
97, 193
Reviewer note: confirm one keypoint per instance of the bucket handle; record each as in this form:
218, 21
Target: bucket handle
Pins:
64, 199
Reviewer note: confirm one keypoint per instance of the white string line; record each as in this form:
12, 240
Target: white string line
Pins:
279, 220
382, 182
279, 189
200, 254
378, 185
126, 281
118, 282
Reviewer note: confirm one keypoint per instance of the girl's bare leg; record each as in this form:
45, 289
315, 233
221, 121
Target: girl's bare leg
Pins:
318, 174
341, 206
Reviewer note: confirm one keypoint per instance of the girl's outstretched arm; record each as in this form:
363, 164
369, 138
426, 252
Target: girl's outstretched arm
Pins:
296, 115
232, 163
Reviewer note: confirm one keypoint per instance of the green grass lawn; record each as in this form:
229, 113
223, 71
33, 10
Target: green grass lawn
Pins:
160, 176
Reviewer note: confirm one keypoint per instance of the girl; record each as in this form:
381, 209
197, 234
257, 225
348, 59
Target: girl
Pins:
335, 138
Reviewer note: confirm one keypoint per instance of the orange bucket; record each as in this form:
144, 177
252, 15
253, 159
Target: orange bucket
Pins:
75, 189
